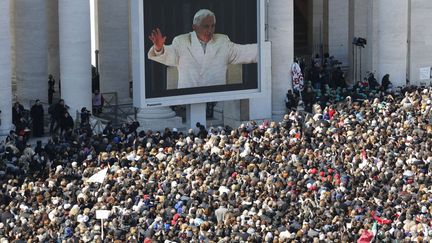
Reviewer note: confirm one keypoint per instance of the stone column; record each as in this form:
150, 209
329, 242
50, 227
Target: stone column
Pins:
371, 12
420, 39
53, 40
75, 67
114, 48
31, 50
13, 44
5, 68
316, 25
360, 16
392, 40
281, 32
338, 29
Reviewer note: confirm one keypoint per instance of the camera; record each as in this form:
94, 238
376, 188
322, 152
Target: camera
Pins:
359, 41
84, 110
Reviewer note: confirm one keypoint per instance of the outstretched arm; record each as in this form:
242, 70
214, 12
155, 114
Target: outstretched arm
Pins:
159, 52
243, 54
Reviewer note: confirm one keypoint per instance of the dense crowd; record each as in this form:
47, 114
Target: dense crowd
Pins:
352, 171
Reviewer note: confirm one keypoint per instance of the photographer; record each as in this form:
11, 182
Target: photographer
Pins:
85, 128
66, 124
57, 112
37, 115
85, 117
202, 133
291, 100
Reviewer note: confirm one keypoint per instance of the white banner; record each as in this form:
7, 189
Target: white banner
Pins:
102, 214
98, 177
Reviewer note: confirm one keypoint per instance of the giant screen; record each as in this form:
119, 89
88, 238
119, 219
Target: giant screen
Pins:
196, 47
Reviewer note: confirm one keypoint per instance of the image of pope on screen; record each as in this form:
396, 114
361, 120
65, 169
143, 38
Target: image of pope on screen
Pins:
201, 56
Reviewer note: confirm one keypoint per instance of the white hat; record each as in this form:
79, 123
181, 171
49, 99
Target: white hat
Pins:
59, 168
23, 220
250, 230
322, 236
96, 228
55, 201
82, 218
223, 189
74, 210
173, 184
87, 238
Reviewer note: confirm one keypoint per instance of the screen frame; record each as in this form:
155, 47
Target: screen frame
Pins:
138, 66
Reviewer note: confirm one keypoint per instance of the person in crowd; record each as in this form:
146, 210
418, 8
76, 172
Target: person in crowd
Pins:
37, 115
316, 60
17, 113
51, 88
85, 117
202, 132
373, 83
291, 100
57, 112
20, 120
385, 82
315, 76
39, 150
97, 102
11, 137
338, 79
66, 123
308, 98
297, 76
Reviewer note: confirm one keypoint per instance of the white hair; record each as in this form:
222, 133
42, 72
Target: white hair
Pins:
201, 14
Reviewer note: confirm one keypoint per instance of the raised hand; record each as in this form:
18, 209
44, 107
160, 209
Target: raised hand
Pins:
158, 39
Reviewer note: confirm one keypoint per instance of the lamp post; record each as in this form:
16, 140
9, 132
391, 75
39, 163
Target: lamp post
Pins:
97, 61
360, 43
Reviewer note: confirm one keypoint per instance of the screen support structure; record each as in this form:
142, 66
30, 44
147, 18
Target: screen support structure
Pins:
196, 113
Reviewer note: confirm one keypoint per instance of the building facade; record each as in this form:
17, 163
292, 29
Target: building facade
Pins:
43, 37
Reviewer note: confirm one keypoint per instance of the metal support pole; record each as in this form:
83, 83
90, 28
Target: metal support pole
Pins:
97, 61
360, 64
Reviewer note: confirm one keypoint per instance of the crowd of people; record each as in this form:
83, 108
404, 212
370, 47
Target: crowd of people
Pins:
326, 85
353, 171
325, 71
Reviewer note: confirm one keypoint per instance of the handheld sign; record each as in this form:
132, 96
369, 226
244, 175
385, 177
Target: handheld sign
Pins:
102, 214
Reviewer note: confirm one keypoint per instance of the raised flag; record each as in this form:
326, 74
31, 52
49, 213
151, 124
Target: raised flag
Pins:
99, 176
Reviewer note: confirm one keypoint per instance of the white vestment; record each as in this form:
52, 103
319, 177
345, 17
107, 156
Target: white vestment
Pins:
196, 68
